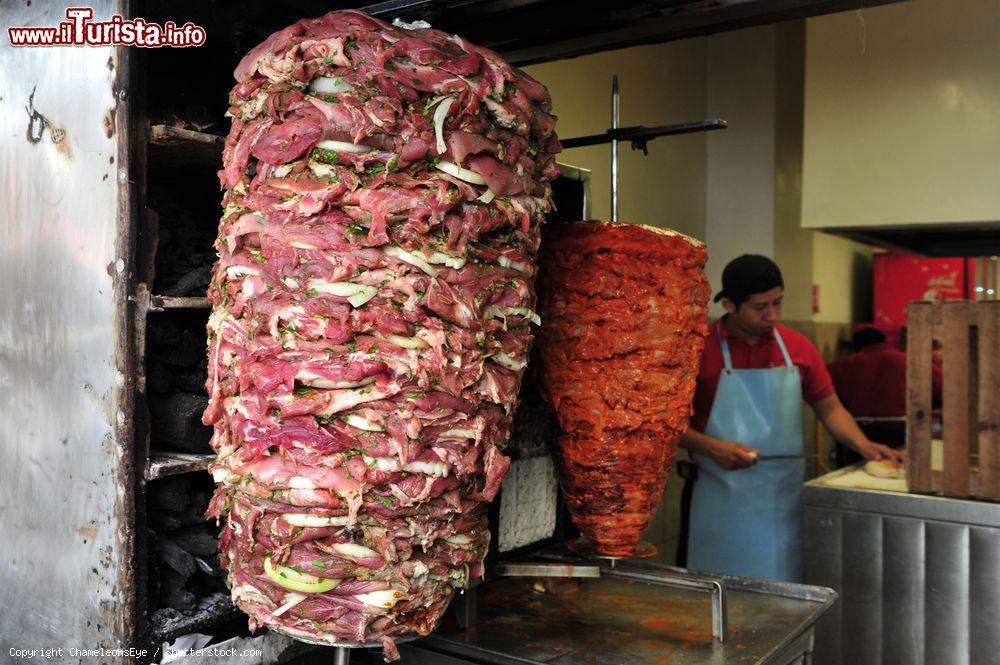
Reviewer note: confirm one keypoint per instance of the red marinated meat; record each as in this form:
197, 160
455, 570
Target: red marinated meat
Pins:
372, 309
624, 312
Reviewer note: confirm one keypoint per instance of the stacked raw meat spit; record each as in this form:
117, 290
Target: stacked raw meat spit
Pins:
373, 304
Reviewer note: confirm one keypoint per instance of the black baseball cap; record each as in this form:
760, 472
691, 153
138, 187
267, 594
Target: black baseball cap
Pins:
746, 275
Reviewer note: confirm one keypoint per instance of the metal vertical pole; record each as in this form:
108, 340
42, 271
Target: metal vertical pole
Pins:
614, 149
342, 656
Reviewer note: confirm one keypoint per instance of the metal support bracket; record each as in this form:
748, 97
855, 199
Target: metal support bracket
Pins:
716, 588
640, 135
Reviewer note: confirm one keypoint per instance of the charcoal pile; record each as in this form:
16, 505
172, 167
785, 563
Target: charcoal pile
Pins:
184, 544
175, 381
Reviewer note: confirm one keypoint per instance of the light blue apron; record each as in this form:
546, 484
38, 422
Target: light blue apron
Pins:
749, 521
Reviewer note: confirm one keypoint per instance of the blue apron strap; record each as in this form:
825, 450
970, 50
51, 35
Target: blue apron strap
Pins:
781, 345
724, 345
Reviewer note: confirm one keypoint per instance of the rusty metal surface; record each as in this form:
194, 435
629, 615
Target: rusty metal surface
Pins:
618, 619
61, 313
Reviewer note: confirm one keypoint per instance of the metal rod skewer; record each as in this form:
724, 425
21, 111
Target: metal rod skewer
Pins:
342, 656
614, 149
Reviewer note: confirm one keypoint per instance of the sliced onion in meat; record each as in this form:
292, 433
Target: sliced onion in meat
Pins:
407, 342
502, 358
386, 599
413, 258
526, 313
296, 581
301, 483
313, 521
446, 259
343, 146
291, 600
391, 465
241, 271
440, 115
387, 464
435, 469
460, 539
329, 85
486, 197
303, 245
354, 550
460, 173
510, 263
362, 423
459, 432
504, 312
313, 381
356, 294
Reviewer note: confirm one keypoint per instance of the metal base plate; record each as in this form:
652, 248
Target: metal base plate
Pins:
348, 644
584, 548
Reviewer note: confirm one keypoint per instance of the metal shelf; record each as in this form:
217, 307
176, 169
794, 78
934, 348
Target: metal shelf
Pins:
163, 463
160, 303
176, 146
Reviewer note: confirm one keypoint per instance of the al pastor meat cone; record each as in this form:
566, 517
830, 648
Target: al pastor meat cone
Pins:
624, 319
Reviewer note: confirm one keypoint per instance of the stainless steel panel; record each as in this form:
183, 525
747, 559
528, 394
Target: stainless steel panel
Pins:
946, 625
862, 596
915, 589
61, 308
903, 592
984, 596
822, 537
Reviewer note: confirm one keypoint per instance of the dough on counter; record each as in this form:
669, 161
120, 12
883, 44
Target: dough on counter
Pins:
884, 468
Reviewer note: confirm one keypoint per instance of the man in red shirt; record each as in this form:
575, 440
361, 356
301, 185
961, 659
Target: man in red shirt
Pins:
746, 430
871, 383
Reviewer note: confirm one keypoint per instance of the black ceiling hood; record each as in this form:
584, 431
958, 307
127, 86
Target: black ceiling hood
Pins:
531, 31
934, 240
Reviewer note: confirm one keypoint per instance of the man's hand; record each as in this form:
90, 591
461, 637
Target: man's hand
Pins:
731, 456
877, 451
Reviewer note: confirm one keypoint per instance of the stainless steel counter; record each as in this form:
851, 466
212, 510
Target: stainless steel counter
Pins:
629, 616
918, 576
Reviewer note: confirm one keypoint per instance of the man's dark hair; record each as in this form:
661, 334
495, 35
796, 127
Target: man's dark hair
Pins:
867, 337
747, 275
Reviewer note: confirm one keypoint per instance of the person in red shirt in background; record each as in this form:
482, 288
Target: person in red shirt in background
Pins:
745, 434
871, 383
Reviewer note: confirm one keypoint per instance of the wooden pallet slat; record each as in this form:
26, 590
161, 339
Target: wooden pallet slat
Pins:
988, 424
955, 406
918, 395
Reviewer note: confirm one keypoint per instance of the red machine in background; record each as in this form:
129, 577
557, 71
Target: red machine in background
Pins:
900, 279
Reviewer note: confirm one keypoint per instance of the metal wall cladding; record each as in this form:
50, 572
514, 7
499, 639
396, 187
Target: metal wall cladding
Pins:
60, 320
918, 577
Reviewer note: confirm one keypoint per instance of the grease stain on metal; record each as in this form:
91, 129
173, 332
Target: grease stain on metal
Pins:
109, 122
38, 123
87, 532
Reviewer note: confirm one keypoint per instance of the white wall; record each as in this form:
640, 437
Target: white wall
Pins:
739, 210
659, 84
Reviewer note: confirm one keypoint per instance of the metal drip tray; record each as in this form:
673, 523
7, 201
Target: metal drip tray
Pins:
630, 615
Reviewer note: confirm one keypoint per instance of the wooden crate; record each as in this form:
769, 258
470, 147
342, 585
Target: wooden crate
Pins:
970, 336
